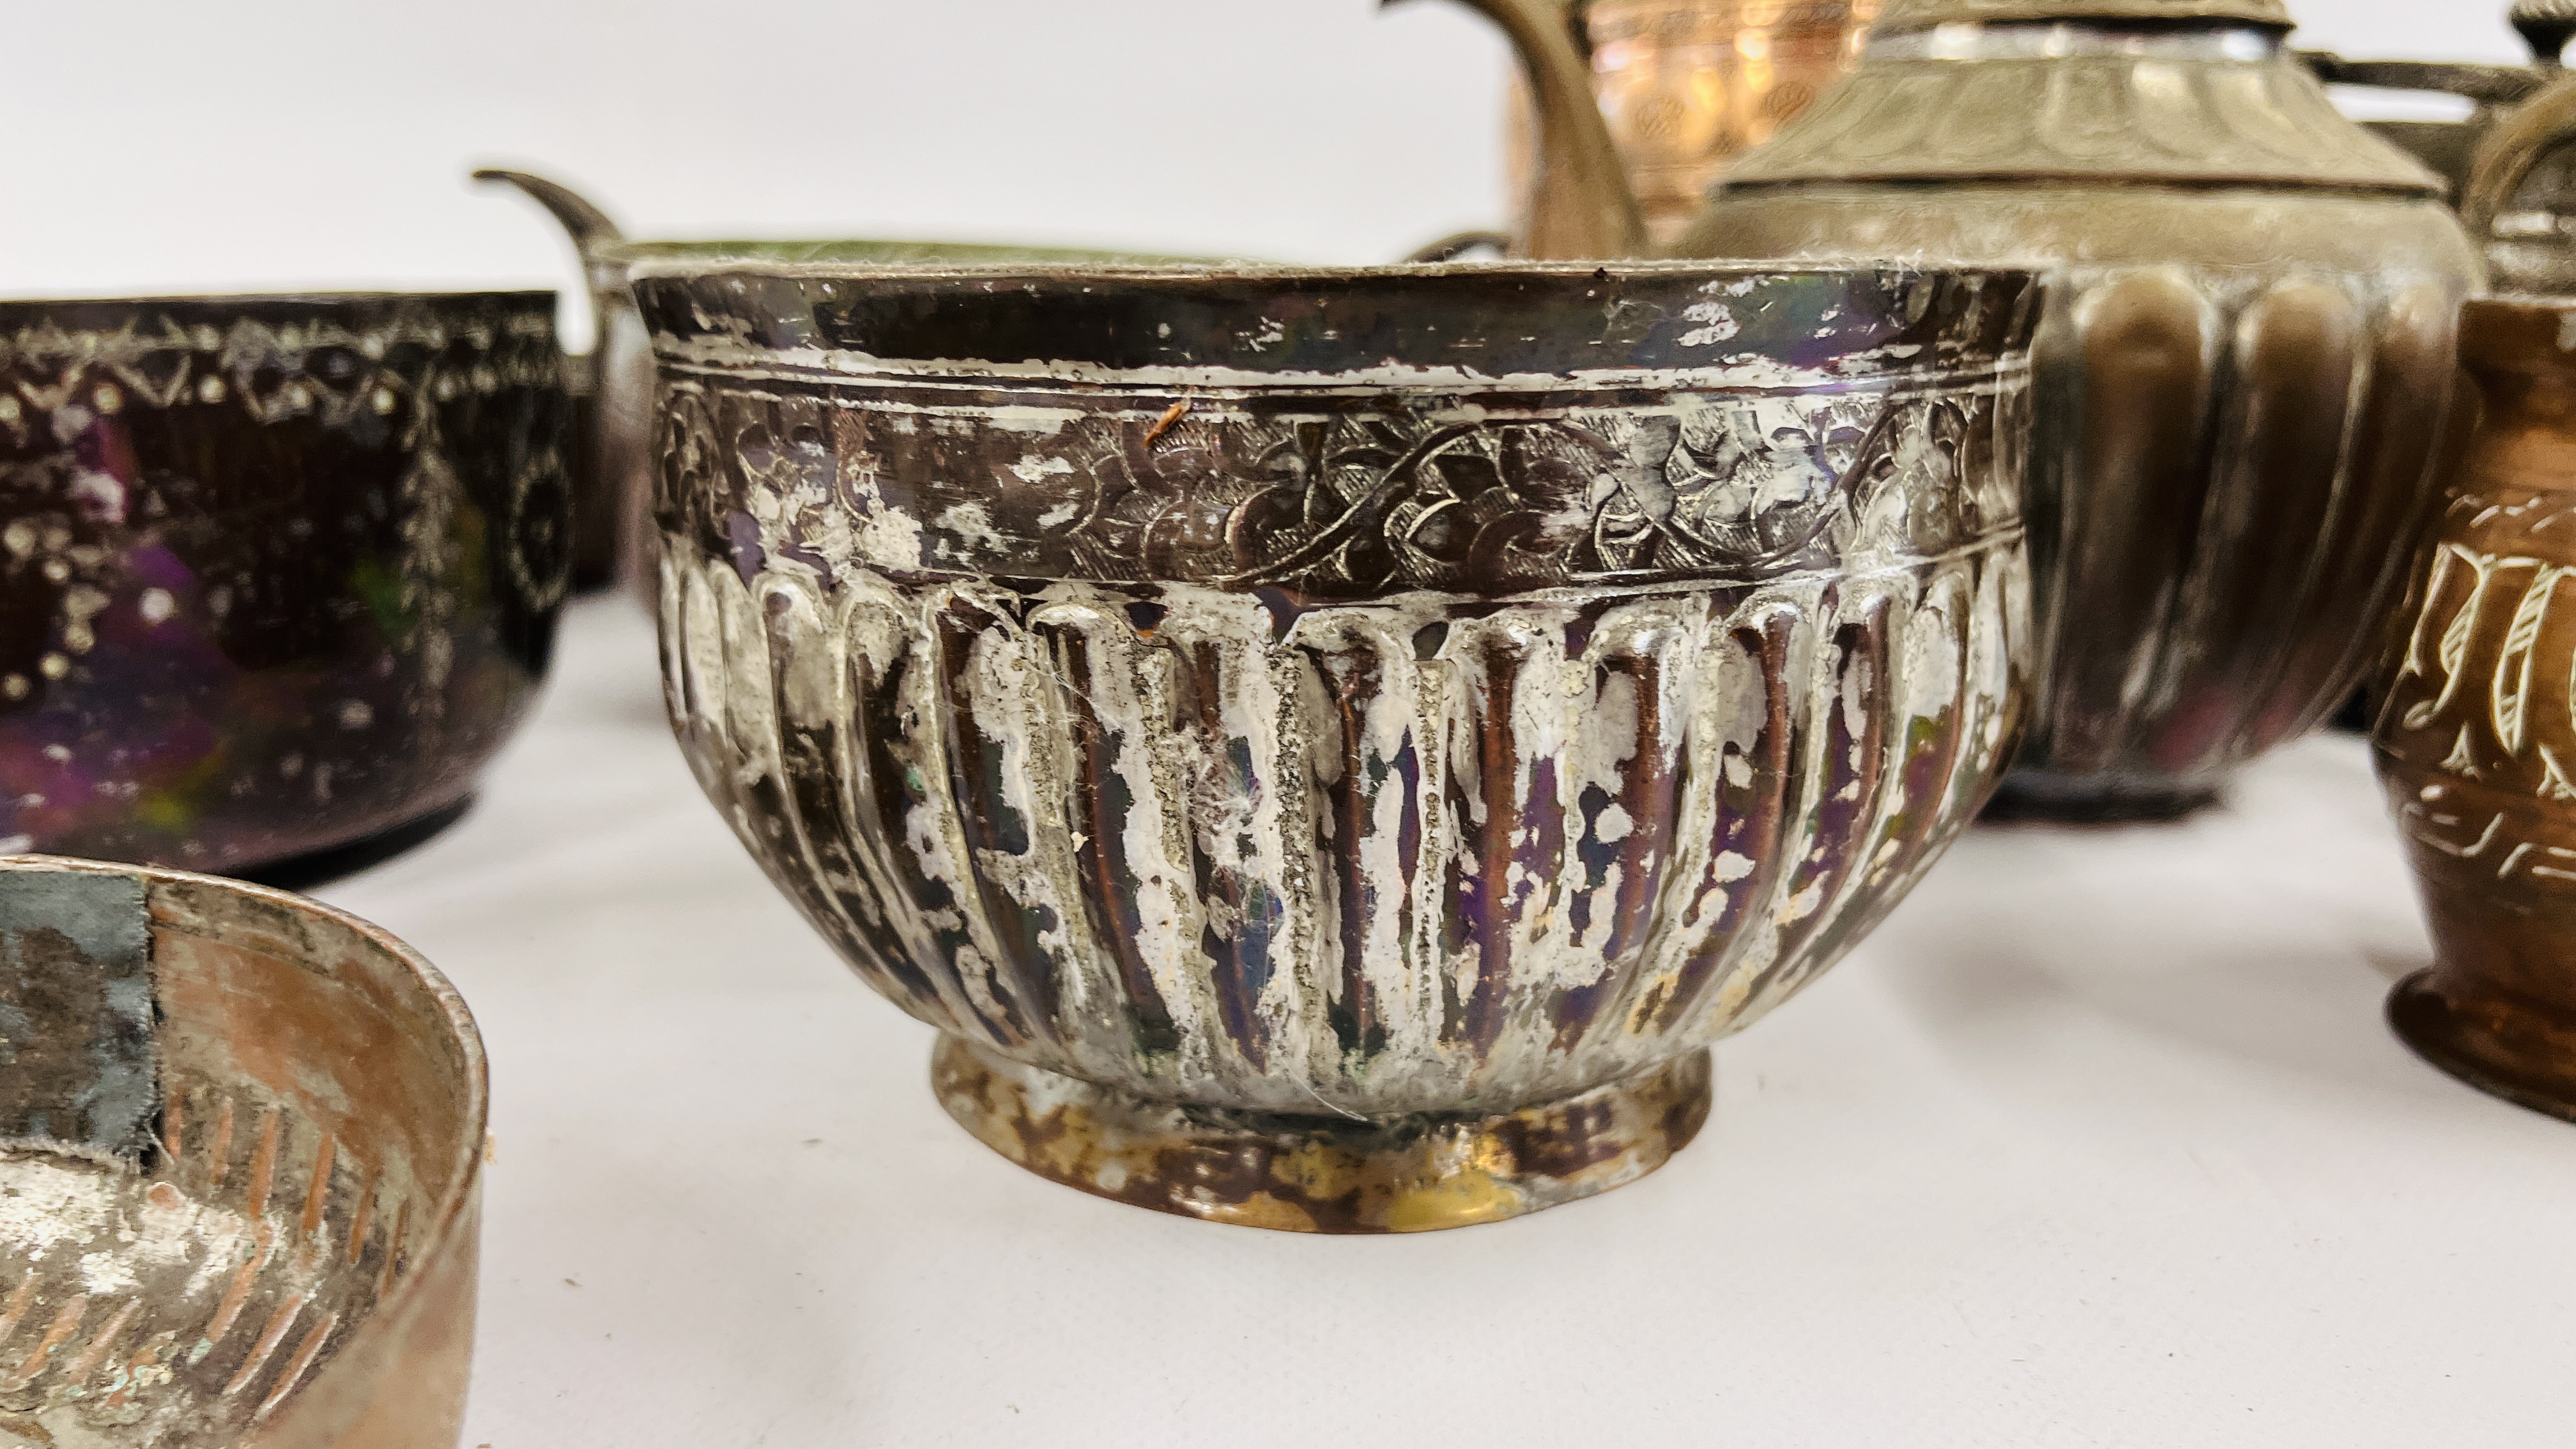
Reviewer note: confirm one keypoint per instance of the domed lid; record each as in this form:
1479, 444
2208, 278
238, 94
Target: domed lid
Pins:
1902, 15
2202, 105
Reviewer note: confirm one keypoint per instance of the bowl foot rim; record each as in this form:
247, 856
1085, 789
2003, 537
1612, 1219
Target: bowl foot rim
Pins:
2473, 1041
2050, 798
1417, 1173
309, 869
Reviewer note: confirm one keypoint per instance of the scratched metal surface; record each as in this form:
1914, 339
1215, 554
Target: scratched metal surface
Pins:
1431, 692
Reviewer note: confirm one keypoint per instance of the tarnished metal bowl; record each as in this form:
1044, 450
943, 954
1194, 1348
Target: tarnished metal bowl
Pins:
1329, 749
278, 575
241, 1142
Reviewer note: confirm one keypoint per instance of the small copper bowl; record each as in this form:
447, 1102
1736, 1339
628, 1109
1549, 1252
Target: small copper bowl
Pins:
241, 1145
277, 574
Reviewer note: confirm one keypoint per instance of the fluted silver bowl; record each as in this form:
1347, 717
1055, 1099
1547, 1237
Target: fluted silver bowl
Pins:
1329, 749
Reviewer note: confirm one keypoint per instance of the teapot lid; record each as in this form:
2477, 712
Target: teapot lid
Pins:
2193, 107
1902, 15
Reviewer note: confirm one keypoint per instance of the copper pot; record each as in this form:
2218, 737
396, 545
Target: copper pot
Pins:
241, 1152
1687, 86
2477, 740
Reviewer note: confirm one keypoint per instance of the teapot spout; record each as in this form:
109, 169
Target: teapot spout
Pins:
1591, 211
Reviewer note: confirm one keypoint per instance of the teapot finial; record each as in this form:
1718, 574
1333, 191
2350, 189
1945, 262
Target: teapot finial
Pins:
2546, 26
1596, 214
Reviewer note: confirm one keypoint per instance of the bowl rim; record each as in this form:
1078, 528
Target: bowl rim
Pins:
927, 251
316, 300
2027, 272
466, 1162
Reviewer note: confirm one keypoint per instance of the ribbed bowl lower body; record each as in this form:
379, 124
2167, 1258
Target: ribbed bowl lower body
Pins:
1422, 854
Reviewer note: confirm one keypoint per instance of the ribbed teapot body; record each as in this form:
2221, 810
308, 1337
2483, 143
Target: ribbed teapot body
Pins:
2240, 386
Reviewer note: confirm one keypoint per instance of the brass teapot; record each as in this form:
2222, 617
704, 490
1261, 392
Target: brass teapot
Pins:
2246, 367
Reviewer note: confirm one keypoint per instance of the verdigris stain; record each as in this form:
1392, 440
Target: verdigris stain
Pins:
77, 1059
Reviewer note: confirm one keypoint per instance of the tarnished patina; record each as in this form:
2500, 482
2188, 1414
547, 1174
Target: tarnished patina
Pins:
240, 1160
1309, 1173
1341, 697
612, 386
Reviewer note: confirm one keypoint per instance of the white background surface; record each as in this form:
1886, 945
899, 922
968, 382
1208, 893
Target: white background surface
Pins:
181, 145
2099, 1142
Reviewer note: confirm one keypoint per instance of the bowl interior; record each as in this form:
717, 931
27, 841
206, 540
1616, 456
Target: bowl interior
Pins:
236, 1131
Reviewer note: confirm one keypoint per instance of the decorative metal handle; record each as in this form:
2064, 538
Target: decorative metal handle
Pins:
2488, 85
611, 389
593, 234
1598, 216
1450, 248
2517, 144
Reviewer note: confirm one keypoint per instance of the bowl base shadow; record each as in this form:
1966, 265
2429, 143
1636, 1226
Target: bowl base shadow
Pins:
2500, 1051
2042, 798
1324, 1174
321, 867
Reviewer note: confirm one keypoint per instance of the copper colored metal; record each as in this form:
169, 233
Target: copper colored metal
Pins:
278, 575
1687, 86
1330, 749
2477, 740
241, 1142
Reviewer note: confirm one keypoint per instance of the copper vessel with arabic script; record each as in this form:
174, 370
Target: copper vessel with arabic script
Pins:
2477, 740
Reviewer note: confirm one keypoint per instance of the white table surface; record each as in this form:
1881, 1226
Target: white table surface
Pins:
2099, 1141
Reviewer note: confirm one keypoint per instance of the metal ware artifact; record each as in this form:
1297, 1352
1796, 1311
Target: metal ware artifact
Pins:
2241, 378
278, 575
1329, 750
241, 1144
2477, 739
